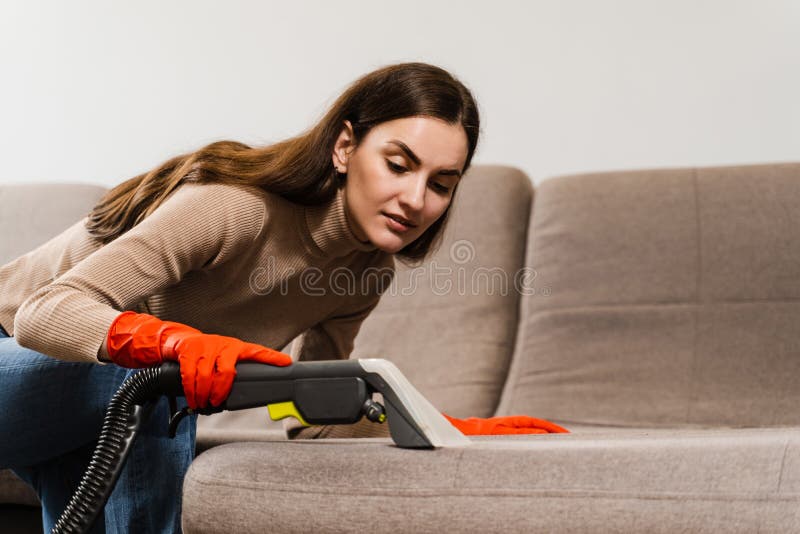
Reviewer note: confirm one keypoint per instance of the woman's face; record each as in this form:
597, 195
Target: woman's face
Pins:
404, 168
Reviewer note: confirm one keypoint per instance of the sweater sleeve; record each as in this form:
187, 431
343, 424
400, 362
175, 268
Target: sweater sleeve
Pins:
197, 226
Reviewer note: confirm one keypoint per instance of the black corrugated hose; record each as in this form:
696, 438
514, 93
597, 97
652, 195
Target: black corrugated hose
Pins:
128, 410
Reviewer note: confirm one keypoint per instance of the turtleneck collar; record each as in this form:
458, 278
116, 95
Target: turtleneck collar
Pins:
327, 224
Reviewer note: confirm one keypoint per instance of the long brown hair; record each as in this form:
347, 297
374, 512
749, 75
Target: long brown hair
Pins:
300, 168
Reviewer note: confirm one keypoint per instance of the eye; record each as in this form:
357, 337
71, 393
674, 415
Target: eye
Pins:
395, 168
399, 169
441, 188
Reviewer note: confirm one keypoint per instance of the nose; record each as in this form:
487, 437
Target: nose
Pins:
412, 195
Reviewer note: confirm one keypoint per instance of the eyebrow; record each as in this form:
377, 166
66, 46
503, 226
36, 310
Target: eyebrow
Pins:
416, 160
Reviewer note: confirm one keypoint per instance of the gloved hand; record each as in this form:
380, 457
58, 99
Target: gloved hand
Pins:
207, 361
512, 424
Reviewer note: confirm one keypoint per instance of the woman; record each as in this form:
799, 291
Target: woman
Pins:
210, 259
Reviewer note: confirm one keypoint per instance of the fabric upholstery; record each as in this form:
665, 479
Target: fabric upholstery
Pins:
620, 481
666, 297
34, 213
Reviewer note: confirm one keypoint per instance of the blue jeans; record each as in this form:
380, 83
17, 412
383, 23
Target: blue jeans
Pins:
51, 413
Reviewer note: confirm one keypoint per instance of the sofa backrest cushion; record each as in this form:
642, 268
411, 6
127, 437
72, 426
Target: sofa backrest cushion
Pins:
30, 214
450, 324
664, 297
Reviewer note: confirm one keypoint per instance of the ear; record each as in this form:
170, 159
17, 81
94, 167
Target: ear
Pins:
343, 147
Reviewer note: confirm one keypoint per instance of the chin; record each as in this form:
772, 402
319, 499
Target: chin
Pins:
391, 248
391, 244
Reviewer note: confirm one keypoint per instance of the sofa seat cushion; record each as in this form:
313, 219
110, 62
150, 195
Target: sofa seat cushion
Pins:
736, 480
252, 424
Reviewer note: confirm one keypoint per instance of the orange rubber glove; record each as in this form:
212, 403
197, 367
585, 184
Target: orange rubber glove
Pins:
512, 424
207, 361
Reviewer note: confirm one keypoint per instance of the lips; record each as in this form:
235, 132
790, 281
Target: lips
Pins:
400, 219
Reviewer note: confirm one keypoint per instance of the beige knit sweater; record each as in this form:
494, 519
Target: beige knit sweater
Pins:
226, 259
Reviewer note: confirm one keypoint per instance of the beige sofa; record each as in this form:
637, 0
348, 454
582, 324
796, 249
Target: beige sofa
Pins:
655, 313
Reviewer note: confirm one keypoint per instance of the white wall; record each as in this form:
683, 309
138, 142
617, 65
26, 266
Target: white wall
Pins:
99, 91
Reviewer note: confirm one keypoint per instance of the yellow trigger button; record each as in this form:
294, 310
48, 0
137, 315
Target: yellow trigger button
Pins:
282, 410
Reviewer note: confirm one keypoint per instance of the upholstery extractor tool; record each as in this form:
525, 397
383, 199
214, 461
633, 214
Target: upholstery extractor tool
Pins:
316, 393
